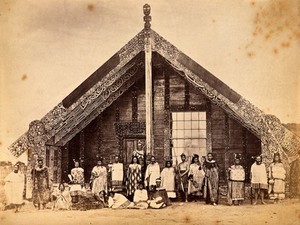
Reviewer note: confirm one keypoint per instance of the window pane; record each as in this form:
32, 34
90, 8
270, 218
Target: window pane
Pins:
174, 116
202, 124
202, 115
174, 134
188, 143
202, 143
195, 125
188, 133
180, 116
187, 125
196, 143
180, 125
187, 116
174, 125
202, 133
195, 134
180, 143
194, 115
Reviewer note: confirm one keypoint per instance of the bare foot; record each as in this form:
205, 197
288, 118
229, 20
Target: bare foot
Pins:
254, 203
263, 203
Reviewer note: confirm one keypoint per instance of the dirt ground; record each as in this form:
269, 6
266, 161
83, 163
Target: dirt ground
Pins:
286, 212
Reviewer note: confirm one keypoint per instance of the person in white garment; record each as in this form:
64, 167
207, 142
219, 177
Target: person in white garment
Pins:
168, 179
259, 179
152, 173
14, 187
118, 201
140, 198
76, 177
99, 178
117, 175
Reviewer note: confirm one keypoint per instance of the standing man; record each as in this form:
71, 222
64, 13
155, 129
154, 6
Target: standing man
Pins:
152, 173
14, 187
183, 170
259, 179
117, 175
41, 190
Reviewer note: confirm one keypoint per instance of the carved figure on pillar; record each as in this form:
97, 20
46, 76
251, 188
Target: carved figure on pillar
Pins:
36, 149
147, 17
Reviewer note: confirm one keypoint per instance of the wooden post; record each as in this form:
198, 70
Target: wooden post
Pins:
81, 148
148, 81
149, 104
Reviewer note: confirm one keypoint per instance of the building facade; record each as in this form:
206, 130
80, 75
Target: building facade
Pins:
152, 98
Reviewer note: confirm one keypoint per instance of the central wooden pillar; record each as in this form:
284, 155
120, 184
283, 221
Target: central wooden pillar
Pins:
149, 103
148, 81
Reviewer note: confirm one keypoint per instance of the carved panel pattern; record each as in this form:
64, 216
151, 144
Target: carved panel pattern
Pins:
79, 115
274, 136
130, 129
92, 115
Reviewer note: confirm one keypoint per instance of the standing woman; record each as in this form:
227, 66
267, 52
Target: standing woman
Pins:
168, 179
77, 182
211, 185
117, 175
196, 176
277, 179
134, 176
99, 178
236, 185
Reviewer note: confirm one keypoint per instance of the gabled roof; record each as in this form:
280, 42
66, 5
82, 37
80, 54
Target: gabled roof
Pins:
121, 71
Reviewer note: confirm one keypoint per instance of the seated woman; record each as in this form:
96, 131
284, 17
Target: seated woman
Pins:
62, 198
140, 198
118, 201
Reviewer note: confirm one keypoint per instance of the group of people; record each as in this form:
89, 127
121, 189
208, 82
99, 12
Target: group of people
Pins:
115, 187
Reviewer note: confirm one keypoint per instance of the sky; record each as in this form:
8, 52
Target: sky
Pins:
47, 48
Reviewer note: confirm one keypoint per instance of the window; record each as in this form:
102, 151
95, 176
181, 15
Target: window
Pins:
188, 134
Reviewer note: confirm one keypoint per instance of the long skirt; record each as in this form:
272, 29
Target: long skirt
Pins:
278, 189
211, 186
236, 191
